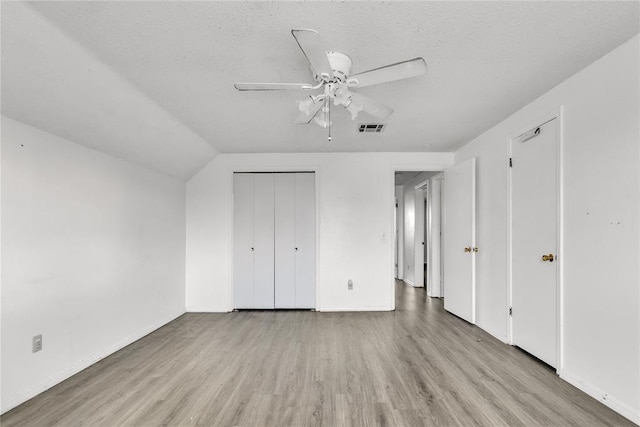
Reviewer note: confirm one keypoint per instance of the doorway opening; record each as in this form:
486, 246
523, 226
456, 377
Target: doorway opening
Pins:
418, 232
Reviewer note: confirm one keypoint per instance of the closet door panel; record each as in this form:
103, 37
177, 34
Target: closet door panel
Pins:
243, 208
263, 221
305, 236
285, 242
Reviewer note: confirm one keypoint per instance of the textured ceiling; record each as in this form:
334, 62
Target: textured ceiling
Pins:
50, 82
403, 177
486, 60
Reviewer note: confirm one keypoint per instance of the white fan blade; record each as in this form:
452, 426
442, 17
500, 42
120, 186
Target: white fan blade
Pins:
311, 45
372, 107
304, 119
272, 86
399, 71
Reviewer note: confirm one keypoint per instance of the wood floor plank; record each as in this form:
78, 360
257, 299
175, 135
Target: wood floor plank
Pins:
416, 366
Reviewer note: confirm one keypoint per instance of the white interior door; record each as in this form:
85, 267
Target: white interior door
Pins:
305, 240
459, 240
425, 239
285, 241
263, 224
395, 251
243, 246
434, 240
418, 238
534, 235
442, 236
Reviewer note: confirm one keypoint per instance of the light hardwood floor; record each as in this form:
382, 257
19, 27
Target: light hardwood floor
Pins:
416, 366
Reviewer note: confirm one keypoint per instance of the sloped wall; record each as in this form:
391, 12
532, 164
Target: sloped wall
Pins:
92, 257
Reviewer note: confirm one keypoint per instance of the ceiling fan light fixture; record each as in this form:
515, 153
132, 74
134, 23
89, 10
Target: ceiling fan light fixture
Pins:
332, 72
305, 106
323, 118
341, 96
354, 108
322, 121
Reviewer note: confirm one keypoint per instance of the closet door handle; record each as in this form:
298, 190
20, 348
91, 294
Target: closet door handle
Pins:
252, 249
296, 249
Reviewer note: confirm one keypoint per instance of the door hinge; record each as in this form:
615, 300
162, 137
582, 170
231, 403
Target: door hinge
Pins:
510, 311
510, 162
396, 205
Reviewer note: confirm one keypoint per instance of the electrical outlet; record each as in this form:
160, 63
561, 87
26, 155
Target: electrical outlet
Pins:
36, 343
350, 285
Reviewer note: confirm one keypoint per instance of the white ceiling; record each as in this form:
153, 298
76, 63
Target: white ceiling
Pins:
170, 67
405, 176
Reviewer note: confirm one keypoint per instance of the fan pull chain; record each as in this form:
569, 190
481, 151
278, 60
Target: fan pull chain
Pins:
329, 116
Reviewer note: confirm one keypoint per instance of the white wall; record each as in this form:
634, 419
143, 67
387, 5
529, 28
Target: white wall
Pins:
355, 196
92, 257
600, 258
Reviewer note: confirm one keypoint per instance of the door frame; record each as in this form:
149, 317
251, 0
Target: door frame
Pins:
556, 114
420, 241
392, 198
433, 250
395, 238
268, 169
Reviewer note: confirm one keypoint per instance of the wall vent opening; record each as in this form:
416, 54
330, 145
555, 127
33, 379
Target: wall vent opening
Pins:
371, 127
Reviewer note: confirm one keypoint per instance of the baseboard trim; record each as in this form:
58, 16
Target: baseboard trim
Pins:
339, 309
20, 398
409, 282
601, 396
491, 332
207, 310
326, 309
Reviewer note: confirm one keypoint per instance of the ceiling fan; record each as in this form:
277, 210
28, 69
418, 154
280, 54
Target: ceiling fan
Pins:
332, 73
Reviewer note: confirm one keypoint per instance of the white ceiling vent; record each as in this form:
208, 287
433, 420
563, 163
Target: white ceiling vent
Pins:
371, 127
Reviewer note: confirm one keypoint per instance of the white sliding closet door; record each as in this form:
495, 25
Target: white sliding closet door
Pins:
253, 249
305, 234
243, 240
285, 241
263, 225
274, 240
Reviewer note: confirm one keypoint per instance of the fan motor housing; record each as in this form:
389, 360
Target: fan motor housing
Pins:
340, 65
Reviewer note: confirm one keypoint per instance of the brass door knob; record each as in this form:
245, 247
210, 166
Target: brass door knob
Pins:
549, 257
467, 249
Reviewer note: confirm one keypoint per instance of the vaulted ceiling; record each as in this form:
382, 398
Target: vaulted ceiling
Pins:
152, 82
